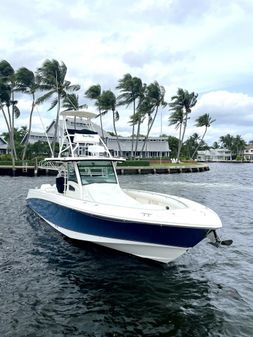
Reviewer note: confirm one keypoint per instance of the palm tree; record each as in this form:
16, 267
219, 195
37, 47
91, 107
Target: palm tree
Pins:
132, 91
227, 141
26, 82
155, 95
183, 101
71, 102
94, 92
51, 77
4, 98
139, 117
107, 101
235, 144
190, 145
8, 104
215, 145
206, 121
177, 118
239, 145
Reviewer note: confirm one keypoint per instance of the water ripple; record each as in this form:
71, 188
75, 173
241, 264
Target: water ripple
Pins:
53, 286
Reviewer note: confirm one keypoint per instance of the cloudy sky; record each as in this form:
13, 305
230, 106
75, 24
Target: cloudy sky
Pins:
201, 46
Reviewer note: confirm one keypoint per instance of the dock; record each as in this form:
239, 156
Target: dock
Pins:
161, 170
33, 171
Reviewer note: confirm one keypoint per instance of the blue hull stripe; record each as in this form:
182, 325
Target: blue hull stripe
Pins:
87, 224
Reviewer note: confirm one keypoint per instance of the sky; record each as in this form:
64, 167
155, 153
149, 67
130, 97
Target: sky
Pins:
200, 46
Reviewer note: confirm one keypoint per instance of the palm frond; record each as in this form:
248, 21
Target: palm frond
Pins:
74, 87
16, 111
45, 97
53, 104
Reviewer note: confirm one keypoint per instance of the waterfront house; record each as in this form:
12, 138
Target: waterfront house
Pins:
214, 155
35, 137
154, 147
3, 146
248, 152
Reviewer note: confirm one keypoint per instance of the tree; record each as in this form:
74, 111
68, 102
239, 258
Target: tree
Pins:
182, 103
143, 109
215, 145
106, 102
132, 91
239, 145
155, 95
39, 148
27, 83
190, 145
177, 118
51, 77
173, 145
94, 92
71, 102
235, 144
8, 104
227, 142
206, 121
18, 137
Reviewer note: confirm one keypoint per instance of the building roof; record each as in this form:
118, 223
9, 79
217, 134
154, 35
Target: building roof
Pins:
248, 147
2, 140
3, 143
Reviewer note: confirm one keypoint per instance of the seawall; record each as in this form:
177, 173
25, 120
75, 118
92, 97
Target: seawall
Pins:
32, 171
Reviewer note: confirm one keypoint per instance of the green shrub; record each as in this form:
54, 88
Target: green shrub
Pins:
134, 163
5, 157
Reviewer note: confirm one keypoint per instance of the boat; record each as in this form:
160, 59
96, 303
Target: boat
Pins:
87, 203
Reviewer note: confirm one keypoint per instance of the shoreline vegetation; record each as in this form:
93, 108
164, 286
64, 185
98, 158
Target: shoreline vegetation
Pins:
146, 101
156, 168
33, 170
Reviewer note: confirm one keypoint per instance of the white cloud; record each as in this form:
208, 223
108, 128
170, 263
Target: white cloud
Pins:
233, 113
202, 46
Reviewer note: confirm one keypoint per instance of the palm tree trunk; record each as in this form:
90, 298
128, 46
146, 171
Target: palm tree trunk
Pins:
115, 131
132, 145
183, 134
200, 142
149, 129
101, 123
13, 125
56, 124
179, 143
137, 138
11, 138
5, 118
9, 130
29, 128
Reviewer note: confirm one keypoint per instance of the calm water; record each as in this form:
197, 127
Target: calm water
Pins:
51, 286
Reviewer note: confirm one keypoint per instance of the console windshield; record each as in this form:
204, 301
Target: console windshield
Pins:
100, 171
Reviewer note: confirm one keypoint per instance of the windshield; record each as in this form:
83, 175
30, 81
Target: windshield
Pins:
96, 172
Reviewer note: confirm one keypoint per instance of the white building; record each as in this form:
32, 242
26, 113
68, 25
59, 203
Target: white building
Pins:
248, 152
155, 146
36, 137
214, 155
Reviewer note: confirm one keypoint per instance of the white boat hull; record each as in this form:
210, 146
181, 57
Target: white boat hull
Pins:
146, 233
